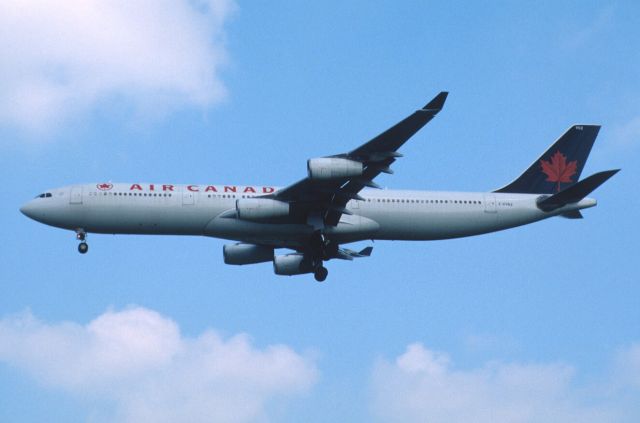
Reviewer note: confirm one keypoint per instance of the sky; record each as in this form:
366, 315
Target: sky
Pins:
535, 324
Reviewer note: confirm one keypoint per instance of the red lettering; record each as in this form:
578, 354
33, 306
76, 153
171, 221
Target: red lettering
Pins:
209, 188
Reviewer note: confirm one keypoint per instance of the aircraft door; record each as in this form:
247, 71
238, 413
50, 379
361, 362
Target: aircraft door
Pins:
490, 203
188, 197
76, 195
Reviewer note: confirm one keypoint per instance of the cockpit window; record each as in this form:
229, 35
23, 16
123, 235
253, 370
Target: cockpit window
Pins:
44, 195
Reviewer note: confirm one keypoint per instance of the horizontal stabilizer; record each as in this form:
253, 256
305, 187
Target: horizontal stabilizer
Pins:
576, 192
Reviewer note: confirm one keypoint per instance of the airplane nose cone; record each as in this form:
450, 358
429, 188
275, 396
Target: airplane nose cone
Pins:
23, 210
27, 209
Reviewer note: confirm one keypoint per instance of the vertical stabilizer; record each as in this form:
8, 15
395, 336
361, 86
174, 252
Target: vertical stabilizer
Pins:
560, 166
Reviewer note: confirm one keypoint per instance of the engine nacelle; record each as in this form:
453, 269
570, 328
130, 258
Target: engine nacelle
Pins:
246, 253
259, 209
291, 264
327, 168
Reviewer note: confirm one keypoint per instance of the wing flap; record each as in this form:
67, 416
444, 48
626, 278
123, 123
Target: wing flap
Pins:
347, 254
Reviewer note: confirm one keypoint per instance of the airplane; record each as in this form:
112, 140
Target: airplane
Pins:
337, 203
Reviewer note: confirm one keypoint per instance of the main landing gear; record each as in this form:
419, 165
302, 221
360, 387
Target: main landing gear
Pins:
321, 273
318, 245
83, 247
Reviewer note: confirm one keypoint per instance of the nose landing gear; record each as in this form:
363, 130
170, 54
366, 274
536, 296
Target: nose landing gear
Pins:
83, 247
81, 235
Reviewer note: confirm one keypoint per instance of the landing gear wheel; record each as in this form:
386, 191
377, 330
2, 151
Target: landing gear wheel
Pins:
83, 247
321, 274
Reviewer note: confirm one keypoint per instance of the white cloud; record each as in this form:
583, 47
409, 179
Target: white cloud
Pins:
627, 366
582, 34
423, 386
628, 133
61, 59
137, 364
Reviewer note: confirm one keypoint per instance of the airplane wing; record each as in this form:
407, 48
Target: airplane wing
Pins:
328, 197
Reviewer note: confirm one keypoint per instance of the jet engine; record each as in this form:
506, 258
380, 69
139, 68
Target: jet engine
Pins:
259, 209
327, 168
246, 253
291, 264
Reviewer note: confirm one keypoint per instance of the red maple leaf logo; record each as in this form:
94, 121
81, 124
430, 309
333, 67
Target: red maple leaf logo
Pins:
105, 186
558, 170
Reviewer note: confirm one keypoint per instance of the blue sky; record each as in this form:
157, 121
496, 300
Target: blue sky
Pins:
540, 323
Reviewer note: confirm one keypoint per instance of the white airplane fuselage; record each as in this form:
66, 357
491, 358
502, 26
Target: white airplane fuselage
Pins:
208, 210
330, 206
